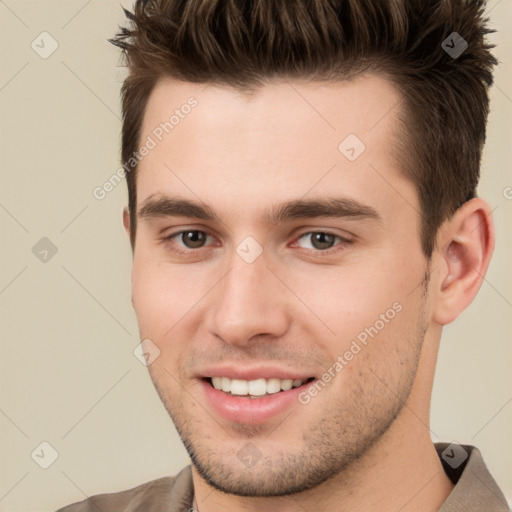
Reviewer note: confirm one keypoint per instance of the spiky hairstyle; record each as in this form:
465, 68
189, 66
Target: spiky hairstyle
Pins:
244, 43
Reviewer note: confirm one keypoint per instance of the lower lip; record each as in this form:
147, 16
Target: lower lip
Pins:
251, 411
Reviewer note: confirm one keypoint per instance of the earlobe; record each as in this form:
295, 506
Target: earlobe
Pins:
464, 251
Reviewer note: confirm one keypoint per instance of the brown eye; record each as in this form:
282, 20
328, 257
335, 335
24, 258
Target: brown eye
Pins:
319, 240
193, 239
322, 241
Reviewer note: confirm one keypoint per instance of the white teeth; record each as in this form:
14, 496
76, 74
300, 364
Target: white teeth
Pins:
286, 384
273, 385
226, 384
257, 387
239, 387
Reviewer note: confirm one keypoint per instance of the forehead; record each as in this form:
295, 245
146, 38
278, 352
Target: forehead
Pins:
282, 142
358, 105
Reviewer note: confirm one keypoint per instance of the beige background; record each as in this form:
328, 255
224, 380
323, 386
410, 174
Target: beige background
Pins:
68, 374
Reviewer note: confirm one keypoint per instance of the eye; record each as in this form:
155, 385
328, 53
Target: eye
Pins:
186, 241
189, 239
322, 240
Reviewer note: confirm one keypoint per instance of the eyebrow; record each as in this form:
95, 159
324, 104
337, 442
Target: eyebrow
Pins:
336, 207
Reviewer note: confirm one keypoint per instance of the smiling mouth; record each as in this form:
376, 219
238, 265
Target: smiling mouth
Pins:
257, 388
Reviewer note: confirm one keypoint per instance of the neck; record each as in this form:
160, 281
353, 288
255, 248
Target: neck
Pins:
402, 471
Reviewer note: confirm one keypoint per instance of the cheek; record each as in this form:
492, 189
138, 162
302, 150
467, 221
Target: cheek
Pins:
346, 300
158, 296
378, 364
169, 302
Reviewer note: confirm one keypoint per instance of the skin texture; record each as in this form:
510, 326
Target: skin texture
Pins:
363, 441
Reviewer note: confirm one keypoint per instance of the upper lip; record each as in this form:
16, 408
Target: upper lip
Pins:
253, 372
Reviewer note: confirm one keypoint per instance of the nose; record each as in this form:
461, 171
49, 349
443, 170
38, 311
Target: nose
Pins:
250, 301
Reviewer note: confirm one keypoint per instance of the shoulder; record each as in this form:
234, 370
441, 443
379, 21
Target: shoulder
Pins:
171, 493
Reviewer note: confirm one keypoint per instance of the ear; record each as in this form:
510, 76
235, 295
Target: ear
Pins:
126, 220
464, 248
127, 226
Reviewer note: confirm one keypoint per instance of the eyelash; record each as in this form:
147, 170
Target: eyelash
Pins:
338, 247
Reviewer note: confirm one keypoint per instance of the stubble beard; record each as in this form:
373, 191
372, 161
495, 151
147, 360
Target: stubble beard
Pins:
346, 429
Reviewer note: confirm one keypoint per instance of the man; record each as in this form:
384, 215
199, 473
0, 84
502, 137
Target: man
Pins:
303, 221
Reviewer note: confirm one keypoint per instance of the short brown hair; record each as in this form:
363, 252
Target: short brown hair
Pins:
243, 43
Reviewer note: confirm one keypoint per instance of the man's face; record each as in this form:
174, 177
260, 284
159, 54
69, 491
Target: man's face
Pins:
258, 291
